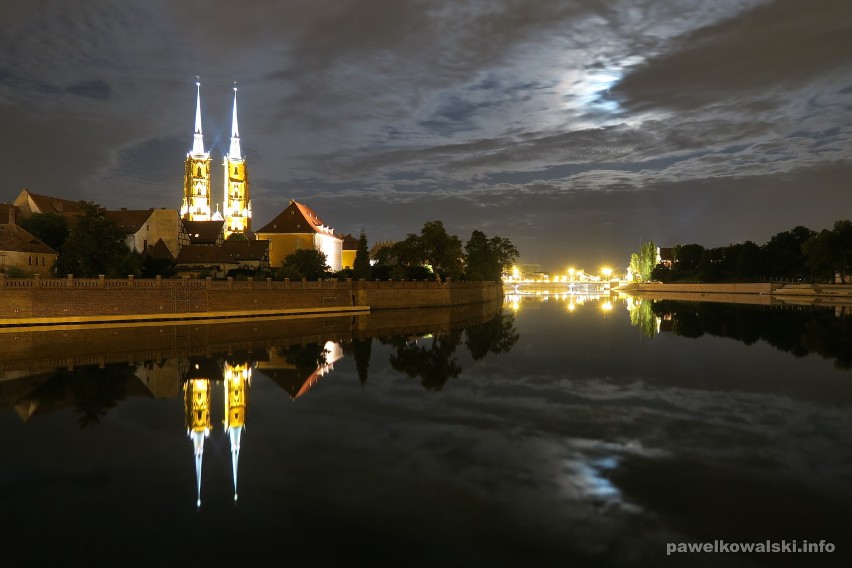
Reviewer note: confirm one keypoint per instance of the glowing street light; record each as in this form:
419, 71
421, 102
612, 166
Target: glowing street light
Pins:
606, 271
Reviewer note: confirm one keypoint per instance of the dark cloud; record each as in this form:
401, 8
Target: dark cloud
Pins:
778, 45
553, 123
94, 89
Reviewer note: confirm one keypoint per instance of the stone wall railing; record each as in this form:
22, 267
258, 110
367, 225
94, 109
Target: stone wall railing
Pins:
229, 284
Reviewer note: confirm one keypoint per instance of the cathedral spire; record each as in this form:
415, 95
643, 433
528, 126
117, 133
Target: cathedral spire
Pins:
235, 153
198, 138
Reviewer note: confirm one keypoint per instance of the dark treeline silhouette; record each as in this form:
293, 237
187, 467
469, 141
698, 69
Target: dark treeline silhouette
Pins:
435, 254
798, 331
799, 254
92, 390
433, 358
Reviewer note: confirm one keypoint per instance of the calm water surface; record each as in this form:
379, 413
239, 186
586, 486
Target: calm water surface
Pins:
559, 432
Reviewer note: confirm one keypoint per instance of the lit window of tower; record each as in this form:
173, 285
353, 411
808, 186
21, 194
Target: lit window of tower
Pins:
236, 207
196, 184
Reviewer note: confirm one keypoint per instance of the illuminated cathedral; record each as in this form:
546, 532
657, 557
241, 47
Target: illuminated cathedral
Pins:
198, 202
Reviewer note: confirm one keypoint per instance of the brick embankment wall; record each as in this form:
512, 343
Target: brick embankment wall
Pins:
733, 288
380, 295
78, 300
35, 349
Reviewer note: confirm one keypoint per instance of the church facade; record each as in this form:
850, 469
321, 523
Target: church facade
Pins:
198, 203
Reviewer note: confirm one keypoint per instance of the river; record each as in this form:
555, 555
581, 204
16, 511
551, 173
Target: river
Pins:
549, 431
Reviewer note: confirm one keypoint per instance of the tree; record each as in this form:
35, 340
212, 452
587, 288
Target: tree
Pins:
96, 246
687, 257
486, 258
433, 247
482, 263
361, 266
237, 237
830, 251
305, 263
782, 254
643, 262
647, 259
441, 250
49, 228
748, 262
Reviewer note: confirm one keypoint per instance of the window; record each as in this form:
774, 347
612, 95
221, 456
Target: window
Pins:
199, 171
30, 259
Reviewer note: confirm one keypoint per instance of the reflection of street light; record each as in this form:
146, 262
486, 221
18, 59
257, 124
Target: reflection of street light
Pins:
606, 307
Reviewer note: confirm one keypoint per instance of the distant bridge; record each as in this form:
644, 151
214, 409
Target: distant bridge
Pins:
580, 288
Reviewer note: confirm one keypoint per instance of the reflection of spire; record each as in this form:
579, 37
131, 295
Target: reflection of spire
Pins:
198, 449
197, 414
237, 383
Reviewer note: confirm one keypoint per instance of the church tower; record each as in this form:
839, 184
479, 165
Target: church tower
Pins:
236, 206
196, 184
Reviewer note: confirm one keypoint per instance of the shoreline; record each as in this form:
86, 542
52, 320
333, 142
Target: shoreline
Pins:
67, 301
760, 293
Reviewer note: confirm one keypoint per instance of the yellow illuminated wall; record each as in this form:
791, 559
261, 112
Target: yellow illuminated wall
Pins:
236, 205
197, 405
196, 188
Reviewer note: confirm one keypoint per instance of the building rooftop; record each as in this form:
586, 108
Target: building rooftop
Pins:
350, 242
203, 232
13, 238
297, 218
48, 204
130, 221
231, 252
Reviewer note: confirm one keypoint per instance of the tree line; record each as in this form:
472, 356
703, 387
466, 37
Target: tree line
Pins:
799, 254
431, 254
94, 244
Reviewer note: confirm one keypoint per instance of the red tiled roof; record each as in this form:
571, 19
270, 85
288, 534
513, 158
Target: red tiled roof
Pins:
203, 232
350, 242
15, 239
48, 204
231, 252
130, 221
297, 218
160, 251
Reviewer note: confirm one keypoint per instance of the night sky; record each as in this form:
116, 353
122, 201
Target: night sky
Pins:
576, 129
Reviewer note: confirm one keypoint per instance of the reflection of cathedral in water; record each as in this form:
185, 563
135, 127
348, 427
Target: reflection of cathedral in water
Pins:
236, 382
296, 369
